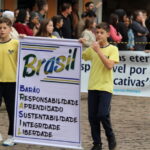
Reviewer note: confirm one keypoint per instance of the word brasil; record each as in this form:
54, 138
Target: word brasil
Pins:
55, 64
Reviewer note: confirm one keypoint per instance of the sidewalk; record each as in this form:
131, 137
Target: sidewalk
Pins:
130, 119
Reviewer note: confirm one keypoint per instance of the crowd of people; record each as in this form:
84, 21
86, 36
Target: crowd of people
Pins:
127, 32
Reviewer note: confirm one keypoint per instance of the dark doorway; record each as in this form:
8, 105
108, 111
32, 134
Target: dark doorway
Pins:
60, 2
23, 4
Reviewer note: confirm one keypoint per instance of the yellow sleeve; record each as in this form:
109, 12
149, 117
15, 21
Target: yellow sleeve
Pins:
17, 44
53, 37
114, 54
16, 47
87, 54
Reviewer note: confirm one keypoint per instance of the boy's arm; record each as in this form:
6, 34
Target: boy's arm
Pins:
86, 54
99, 4
87, 39
109, 64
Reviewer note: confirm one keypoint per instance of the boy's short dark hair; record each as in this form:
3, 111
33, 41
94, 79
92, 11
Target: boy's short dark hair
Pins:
56, 19
21, 16
105, 26
136, 13
6, 20
41, 4
88, 4
65, 6
121, 13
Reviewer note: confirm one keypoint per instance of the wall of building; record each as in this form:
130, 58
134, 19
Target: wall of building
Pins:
9, 4
80, 7
52, 8
99, 11
1, 4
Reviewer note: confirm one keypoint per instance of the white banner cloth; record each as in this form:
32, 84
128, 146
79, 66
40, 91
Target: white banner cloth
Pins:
131, 75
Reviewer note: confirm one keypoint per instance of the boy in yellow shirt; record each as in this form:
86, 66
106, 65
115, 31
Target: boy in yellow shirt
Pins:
8, 64
103, 57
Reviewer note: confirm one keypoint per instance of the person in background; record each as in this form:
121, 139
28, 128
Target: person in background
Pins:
67, 30
140, 30
122, 29
103, 57
145, 14
86, 15
46, 29
10, 15
34, 22
21, 23
90, 6
91, 15
88, 34
131, 42
114, 34
75, 18
1, 12
81, 24
8, 63
147, 22
16, 12
57, 23
42, 7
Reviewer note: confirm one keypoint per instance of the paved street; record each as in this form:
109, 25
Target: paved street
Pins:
130, 119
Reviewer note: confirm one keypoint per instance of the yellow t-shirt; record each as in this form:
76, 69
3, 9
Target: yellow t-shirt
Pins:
53, 37
101, 78
8, 60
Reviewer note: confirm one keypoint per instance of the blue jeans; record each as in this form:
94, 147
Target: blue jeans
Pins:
99, 113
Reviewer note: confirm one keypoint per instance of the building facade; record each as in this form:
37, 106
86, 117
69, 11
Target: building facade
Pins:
103, 12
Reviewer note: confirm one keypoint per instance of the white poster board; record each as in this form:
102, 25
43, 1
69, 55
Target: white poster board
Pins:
48, 93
